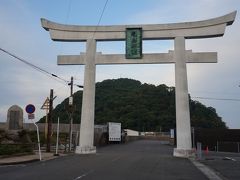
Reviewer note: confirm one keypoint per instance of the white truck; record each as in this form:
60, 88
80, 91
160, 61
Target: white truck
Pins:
114, 131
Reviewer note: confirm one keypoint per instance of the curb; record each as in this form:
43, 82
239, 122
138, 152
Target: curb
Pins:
18, 162
34, 159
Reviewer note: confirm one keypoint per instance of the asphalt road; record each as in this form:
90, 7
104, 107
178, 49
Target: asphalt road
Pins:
140, 160
226, 164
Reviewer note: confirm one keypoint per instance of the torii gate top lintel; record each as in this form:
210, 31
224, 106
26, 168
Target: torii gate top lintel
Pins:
190, 30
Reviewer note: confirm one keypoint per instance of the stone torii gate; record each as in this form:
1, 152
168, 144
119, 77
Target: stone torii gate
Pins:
179, 56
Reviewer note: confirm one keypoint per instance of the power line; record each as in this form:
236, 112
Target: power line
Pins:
99, 20
54, 76
69, 9
155, 93
213, 92
221, 99
105, 5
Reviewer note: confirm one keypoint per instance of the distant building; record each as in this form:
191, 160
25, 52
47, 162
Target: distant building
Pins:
130, 132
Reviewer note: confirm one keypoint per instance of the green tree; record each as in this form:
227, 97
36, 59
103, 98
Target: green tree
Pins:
137, 106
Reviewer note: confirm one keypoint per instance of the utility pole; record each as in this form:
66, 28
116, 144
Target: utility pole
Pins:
45, 106
71, 111
49, 122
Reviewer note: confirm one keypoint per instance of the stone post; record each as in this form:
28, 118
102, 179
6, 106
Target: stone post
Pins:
14, 118
184, 147
88, 102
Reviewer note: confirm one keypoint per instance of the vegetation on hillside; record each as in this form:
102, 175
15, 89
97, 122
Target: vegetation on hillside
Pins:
143, 107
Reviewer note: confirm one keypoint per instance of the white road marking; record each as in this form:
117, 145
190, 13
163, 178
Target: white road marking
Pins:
83, 175
228, 158
211, 174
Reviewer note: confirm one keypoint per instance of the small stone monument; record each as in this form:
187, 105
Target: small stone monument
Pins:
14, 118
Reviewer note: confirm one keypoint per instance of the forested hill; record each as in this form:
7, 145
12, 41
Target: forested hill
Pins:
143, 107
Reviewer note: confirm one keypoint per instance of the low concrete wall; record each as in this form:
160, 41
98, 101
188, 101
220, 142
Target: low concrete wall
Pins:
99, 130
157, 138
64, 128
100, 133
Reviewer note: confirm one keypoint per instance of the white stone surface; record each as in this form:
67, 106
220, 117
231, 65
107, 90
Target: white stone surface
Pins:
88, 102
199, 29
184, 153
14, 121
183, 126
85, 150
153, 58
131, 132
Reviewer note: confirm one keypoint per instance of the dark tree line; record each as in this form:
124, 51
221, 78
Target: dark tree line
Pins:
143, 107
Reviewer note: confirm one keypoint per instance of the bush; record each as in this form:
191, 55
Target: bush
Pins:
11, 149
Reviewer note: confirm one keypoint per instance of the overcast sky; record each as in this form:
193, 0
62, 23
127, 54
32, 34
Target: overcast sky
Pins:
21, 33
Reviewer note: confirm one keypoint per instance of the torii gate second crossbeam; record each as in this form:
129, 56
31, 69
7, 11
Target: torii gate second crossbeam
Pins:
179, 56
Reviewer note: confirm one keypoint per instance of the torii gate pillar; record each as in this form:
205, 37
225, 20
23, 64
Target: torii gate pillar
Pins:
183, 127
88, 102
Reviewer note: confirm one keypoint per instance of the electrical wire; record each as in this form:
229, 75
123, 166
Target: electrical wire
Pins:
53, 76
192, 97
99, 20
98, 23
105, 5
221, 99
69, 10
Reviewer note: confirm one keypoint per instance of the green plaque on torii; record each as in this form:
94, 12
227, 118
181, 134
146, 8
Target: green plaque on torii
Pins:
133, 43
